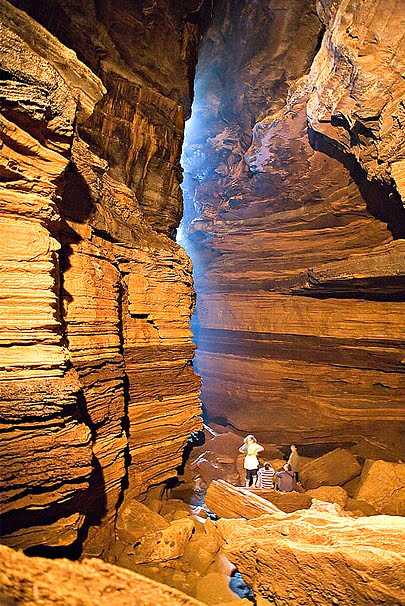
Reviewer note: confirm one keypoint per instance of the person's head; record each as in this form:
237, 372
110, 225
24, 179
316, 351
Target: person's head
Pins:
287, 467
267, 465
249, 439
293, 448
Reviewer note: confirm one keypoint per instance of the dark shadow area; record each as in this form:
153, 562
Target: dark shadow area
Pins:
382, 201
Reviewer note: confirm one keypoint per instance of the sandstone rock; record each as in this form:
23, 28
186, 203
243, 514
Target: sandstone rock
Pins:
296, 558
101, 347
331, 494
44, 582
382, 485
214, 589
160, 546
360, 508
230, 502
286, 501
332, 469
135, 520
295, 221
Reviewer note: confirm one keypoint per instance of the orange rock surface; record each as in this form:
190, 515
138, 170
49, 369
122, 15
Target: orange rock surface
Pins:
96, 385
43, 582
320, 557
295, 222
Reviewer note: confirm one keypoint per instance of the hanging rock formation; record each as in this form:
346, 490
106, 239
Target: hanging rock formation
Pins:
296, 225
97, 389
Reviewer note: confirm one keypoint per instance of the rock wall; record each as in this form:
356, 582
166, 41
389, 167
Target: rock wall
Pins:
296, 225
97, 390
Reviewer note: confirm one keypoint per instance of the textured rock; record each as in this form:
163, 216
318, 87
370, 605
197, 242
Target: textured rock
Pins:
39, 581
286, 501
97, 390
330, 494
294, 173
382, 485
229, 502
332, 469
320, 557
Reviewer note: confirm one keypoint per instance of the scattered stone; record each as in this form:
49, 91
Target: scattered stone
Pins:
360, 508
332, 469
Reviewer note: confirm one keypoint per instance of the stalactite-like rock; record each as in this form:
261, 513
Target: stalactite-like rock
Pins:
98, 393
295, 222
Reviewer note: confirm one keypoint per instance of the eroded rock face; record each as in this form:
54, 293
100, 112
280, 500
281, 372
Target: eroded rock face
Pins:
97, 390
91, 582
319, 556
295, 175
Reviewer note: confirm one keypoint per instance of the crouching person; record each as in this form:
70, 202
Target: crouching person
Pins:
285, 479
265, 476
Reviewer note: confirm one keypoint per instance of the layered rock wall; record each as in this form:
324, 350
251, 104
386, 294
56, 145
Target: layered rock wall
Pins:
98, 393
296, 225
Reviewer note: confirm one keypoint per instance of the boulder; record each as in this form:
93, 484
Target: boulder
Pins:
136, 520
330, 494
382, 485
332, 469
166, 544
319, 557
231, 502
359, 508
285, 501
214, 588
45, 582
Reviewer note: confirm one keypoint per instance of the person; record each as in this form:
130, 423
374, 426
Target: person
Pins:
285, 479
294, 462
250, 448
265, 476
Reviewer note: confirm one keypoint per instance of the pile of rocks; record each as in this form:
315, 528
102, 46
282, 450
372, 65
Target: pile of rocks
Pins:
360, 487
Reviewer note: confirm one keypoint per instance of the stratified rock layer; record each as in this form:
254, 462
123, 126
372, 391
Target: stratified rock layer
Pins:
97, 390
295, 224
319, 557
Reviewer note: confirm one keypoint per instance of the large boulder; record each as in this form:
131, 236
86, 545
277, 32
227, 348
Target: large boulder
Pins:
43, 582
228, 501
332, 469
135, 520
285, 501
320, 557
330, 494
382, 485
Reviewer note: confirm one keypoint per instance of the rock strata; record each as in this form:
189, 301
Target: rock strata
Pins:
96, 385
295, 222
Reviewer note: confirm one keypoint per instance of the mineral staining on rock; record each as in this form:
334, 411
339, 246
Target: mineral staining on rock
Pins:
97, 389
294, 174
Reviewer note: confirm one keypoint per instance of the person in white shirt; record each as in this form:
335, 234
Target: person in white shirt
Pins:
250, 448
265, 476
